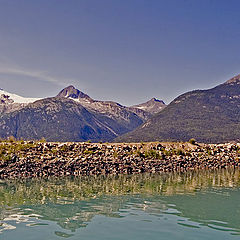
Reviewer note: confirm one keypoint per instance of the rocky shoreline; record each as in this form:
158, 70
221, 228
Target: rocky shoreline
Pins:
27, 159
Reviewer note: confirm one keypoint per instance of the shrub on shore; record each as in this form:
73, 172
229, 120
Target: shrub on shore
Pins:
192, 141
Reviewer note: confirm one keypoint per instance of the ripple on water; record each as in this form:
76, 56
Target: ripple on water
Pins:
157, 206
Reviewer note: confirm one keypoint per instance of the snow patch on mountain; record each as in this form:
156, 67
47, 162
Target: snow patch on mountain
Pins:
14, 98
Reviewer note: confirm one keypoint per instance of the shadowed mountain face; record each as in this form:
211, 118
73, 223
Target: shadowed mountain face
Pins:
70, 116
207, 115
62, 120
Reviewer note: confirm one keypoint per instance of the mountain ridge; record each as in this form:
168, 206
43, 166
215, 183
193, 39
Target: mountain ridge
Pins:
152, 106
70, 116
107, 107
210, 116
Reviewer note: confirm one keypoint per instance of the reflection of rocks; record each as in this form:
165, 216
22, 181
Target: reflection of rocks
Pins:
66, 190
29, 159
73, 202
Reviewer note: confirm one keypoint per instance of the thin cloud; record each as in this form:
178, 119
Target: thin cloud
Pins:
35, 74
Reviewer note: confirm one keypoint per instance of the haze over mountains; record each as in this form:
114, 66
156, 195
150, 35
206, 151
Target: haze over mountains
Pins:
210, 116
70, 116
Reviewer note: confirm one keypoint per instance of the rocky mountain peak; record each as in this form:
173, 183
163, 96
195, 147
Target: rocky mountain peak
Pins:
156, 100
152, 106
72, 92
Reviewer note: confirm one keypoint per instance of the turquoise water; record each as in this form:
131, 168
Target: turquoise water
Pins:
191, 206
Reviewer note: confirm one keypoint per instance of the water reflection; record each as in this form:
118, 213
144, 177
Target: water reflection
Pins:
196, 199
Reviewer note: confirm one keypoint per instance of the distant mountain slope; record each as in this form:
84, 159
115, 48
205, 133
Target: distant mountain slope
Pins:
207, 115
14, 98
73, 93
110, 108
70, 116
10, 102
152, 106
57, 120
148, 109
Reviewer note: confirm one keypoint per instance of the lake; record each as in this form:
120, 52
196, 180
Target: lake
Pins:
194, 205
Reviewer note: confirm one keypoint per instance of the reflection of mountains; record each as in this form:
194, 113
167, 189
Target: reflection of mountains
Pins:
72, 203
72, 216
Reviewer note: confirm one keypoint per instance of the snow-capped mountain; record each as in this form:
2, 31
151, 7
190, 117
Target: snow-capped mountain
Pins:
110, 108
6, 97
70, 116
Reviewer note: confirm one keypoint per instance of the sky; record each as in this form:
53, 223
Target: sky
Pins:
126, 51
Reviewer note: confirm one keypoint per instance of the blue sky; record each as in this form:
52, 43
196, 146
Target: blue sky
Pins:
123, 50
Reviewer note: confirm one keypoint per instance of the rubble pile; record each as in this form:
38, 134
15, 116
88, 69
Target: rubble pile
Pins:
43, 159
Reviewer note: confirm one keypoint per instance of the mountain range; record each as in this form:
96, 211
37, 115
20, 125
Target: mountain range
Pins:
70, 116
210, 116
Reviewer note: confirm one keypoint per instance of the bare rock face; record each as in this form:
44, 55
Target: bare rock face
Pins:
73, 93
152, 106
11, 107
114, 110
5, 99
111, 109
